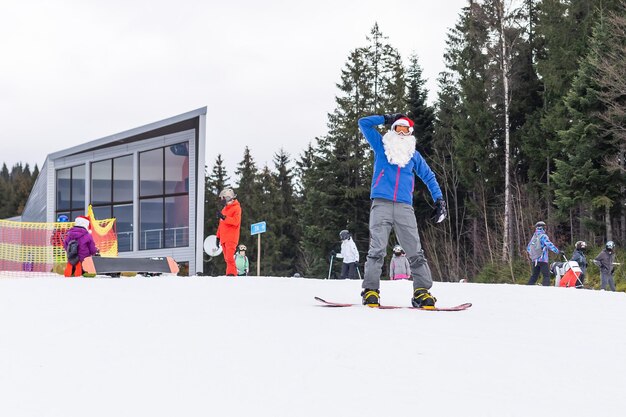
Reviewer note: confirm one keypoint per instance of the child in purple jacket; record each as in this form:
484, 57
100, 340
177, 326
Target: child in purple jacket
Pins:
78, 244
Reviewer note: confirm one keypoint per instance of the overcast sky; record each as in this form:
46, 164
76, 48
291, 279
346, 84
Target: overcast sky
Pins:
75, 71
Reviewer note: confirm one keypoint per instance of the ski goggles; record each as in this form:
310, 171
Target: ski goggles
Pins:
403, 130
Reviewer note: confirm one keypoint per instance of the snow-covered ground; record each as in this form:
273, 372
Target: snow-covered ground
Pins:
204, 346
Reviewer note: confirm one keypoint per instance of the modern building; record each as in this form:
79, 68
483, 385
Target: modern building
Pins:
150, 179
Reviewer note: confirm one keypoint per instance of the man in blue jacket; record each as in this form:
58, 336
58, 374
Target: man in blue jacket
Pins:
395, 164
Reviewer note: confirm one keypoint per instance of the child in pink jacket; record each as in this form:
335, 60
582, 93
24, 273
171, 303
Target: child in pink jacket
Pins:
399, 267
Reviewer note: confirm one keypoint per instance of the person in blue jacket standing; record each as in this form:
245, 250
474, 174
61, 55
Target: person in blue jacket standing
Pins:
396, 162
538, 253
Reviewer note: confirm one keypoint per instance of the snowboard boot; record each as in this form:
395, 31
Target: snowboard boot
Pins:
371, 298
423, 299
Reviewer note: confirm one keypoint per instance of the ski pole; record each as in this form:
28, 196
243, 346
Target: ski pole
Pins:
358, 271
330, 268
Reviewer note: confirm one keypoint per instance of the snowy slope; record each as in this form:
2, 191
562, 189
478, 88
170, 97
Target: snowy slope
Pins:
252, 346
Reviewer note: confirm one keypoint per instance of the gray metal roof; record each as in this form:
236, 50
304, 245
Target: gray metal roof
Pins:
36, 205
119, 138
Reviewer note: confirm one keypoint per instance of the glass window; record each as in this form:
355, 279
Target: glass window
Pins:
151, 173
164, 197
177, 169
176, 221
101, 182
64, 178
123, 214
75, 213
78, 187
111, 183
151, 223
123, 179
70, 190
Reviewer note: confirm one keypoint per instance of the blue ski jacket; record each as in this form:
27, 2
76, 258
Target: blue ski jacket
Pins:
545, 245
389, 181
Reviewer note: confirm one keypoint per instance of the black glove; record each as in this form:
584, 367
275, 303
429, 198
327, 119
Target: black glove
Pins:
220, 215
390, 118
217, 242
440, 212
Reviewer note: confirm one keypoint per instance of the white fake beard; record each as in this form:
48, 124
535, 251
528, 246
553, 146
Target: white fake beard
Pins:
399, 149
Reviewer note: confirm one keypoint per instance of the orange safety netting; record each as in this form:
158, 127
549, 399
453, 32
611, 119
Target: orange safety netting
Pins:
38, 247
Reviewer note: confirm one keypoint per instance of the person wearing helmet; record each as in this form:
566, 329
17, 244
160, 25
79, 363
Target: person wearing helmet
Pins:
229, 227
396, 162
606, 262
579, 257
349, 254
399, 267
538, 253
241, 260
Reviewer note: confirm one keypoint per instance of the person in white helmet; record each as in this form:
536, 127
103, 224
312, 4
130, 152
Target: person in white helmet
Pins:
229, 228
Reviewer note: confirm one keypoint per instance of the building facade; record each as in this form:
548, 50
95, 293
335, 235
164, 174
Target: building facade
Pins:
150, 179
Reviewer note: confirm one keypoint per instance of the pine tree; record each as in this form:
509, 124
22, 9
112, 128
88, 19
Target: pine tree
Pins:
449, 260
338, 181
283, 251
610, 76
418, 109
268, 200
582, 179
563, 33
610, 73
215, 182
423, 115
336, 184
384, 76
248, 193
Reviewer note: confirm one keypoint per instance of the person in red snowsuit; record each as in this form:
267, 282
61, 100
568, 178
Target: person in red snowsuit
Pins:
228, 229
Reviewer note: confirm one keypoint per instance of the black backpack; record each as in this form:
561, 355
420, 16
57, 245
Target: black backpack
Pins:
72, 252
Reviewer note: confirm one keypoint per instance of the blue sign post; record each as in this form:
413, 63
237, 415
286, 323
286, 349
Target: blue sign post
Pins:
257, 229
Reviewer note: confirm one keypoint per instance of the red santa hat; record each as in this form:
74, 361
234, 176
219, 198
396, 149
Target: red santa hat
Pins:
82, 221
403, 121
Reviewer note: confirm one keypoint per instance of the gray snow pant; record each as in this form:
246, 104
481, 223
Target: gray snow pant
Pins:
385, 215
607, 280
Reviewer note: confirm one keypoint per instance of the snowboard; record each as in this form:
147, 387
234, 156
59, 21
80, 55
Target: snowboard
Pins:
101, 265
459, 307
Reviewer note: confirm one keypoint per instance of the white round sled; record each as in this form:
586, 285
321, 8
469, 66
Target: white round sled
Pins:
210, 248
